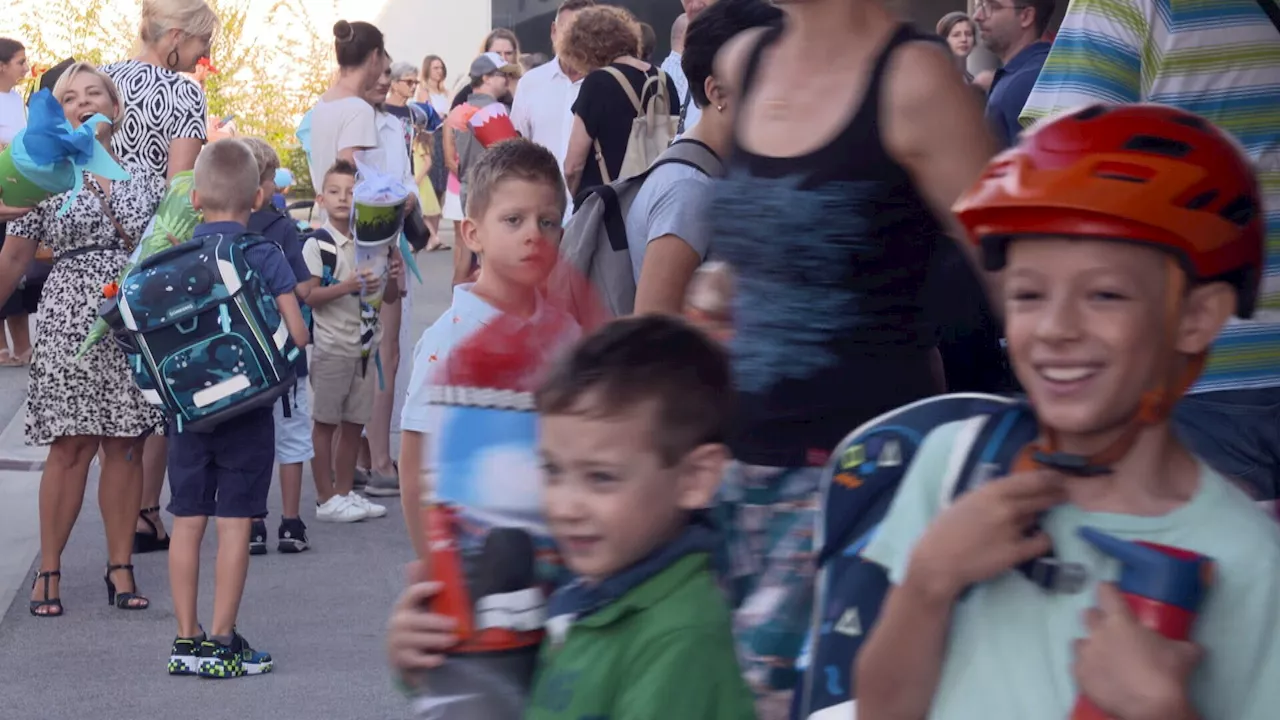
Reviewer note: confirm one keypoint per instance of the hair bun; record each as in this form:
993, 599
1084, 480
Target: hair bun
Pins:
343, 32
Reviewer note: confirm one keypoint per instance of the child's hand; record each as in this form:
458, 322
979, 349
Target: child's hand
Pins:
986, 532
1129, 671
416, 637
395, 269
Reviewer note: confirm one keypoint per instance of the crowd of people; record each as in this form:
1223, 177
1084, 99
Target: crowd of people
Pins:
826, 215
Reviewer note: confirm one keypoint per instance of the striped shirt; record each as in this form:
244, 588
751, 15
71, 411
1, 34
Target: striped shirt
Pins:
1217, 58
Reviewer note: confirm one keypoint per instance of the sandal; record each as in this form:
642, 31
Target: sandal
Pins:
145, 542
124, 600
48, 607
22, 360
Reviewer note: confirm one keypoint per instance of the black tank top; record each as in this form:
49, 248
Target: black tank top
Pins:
832, 249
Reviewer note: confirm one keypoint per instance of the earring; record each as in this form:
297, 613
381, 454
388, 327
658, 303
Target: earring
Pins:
173, 58
719, 108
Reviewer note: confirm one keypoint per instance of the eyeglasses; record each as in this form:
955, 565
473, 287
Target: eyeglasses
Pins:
411, 81
991, 7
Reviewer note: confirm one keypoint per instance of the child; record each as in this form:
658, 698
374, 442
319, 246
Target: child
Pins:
631, 433
225, 473
1127, 237
293, 412
342, 384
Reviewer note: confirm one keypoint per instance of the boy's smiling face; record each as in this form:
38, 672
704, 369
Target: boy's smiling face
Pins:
610, 499
519, 232
1089, 330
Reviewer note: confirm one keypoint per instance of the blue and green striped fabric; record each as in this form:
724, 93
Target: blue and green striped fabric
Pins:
1217, 58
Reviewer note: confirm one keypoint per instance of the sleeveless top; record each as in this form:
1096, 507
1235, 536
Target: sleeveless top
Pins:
831, 250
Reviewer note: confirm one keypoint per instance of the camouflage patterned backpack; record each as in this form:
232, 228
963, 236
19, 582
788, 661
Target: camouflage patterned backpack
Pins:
204, 336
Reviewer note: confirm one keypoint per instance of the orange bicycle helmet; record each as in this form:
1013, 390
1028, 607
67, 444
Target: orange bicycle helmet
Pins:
1136, 173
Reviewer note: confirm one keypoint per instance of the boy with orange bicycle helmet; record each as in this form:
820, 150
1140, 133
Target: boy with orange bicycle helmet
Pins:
1127, 237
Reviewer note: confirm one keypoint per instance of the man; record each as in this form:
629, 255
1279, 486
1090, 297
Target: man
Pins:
1011, 30
542, 111
1128, 51
671, 65
693, 7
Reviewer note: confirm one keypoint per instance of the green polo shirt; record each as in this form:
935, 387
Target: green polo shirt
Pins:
663, 651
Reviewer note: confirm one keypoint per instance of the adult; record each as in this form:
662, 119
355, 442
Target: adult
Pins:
1124, 51
503, 42
854, 135
960, 33
1012, 31
668, 229
432, 89
604, 40
693, 7
414, 124
163, 129
543, 107
671, 65
648, 42
17, 309
80, 405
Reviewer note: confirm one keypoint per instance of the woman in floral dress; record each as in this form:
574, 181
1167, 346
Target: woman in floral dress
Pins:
77, 406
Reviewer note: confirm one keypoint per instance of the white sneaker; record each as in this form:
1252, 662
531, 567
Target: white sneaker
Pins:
340, 509
371, 509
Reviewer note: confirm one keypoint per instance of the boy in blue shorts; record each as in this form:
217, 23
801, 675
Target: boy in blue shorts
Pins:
293, 412
225, 473
1127, 237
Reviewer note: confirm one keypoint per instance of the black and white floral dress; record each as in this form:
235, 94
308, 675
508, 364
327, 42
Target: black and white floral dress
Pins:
93, 395
160, 105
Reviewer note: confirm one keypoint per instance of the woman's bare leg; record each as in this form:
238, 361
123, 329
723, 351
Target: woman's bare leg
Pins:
61, 495
119, 491
155, 457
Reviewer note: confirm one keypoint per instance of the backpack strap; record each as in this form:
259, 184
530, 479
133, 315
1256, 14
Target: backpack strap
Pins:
328, 255
997, 441
626, 86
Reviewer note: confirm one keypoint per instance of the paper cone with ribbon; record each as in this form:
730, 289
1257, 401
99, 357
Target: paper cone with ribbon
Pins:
491, 125
49, 156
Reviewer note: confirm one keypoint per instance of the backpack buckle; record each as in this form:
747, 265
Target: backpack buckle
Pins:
1057, 576
1077, 465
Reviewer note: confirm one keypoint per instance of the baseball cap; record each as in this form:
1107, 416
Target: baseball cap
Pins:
490, 63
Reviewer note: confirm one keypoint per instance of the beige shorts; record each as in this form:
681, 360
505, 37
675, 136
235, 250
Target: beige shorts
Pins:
341, 390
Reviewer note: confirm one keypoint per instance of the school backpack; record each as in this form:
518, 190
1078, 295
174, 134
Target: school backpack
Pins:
857, 488
595, 240
205, 339
652, 130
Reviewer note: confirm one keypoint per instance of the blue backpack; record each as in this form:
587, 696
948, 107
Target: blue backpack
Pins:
858, 486
205, 339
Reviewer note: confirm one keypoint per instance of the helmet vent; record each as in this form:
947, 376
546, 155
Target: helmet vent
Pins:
1158, 146
1190, 121
1125, 172
1204, 198
1240, 211
1091, 112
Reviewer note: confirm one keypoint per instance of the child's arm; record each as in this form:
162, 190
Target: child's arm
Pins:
412, 462
289, 309
983, 534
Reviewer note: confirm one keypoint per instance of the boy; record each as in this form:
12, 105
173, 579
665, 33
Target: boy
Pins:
225, 473
1127, 237
293, 428
342, 384
631, 432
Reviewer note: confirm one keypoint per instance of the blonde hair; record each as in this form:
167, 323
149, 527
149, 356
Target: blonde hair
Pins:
81, 68
266, 157
193, 17
226, 177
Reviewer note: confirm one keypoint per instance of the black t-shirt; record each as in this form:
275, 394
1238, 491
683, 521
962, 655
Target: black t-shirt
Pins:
607, 113
462, 96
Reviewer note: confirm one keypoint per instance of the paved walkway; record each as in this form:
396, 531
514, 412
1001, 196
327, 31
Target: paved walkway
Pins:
321, 613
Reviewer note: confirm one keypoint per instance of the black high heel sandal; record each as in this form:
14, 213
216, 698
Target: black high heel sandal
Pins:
124, 600
51, 607
145, 542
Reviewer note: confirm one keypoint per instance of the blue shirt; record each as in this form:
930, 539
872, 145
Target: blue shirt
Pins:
1010, 89
282, 231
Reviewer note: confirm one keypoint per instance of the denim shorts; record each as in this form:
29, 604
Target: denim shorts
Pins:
1238, 433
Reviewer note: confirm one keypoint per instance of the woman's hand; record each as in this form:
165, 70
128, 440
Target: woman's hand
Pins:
1128, 671
9, 214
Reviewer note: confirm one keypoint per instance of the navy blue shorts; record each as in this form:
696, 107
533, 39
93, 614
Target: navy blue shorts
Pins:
225, 473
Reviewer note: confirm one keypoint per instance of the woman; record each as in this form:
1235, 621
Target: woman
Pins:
960, 32
432, 89
164, 129
854, 136
17, 309
414, 123
601, 37
432, 92
505, 43
78, 406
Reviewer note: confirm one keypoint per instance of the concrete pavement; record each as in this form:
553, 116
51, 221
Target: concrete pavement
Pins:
321, 614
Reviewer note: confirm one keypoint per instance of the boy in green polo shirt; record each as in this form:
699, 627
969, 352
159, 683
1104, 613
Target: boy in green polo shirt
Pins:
632, 426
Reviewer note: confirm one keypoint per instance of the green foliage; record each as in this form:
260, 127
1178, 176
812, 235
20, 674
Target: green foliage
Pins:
266, 82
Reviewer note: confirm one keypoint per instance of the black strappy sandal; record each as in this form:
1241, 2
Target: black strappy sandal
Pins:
48, 607
145, 542
124, 600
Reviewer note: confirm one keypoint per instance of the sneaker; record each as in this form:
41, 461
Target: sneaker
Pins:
258, 538
234, 660
362, 478
383, 485
184, 656
293, 536
340, 509
371, 509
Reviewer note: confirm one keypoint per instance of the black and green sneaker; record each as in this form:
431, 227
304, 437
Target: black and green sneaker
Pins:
235, 659
184, 656
258, 537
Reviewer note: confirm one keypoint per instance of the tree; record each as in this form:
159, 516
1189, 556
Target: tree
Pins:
268, 83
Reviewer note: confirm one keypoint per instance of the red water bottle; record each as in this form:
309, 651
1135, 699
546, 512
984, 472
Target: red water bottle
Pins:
1164, 587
